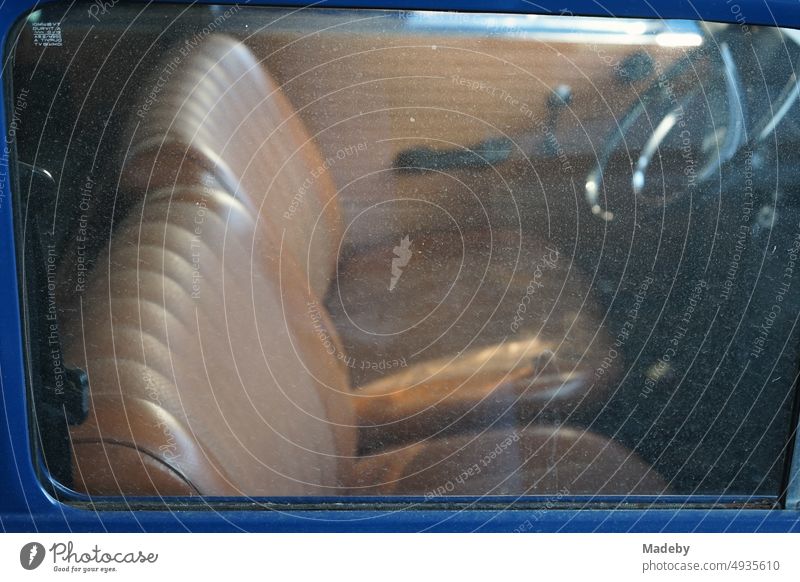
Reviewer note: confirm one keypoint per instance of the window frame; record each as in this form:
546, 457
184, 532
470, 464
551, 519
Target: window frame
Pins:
31, 501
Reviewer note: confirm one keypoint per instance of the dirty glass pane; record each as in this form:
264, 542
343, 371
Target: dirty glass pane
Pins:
321, 253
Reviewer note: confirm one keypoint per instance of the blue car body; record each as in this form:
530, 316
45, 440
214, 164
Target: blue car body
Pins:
27, 505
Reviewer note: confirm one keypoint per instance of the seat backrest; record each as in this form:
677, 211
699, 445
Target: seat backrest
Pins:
212, 367
220, 115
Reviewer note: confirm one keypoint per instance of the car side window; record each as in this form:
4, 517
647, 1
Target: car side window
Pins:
380, 254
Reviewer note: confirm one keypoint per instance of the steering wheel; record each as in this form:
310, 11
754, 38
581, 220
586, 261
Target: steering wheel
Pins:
699, 124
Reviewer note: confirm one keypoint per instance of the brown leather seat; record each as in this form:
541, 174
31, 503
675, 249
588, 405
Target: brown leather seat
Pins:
533, 461
215, 367
178, 318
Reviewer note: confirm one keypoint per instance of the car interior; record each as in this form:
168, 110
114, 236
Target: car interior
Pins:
359, 253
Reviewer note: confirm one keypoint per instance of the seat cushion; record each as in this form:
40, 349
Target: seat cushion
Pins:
459, 292
133, 446
469, 392
509, 461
